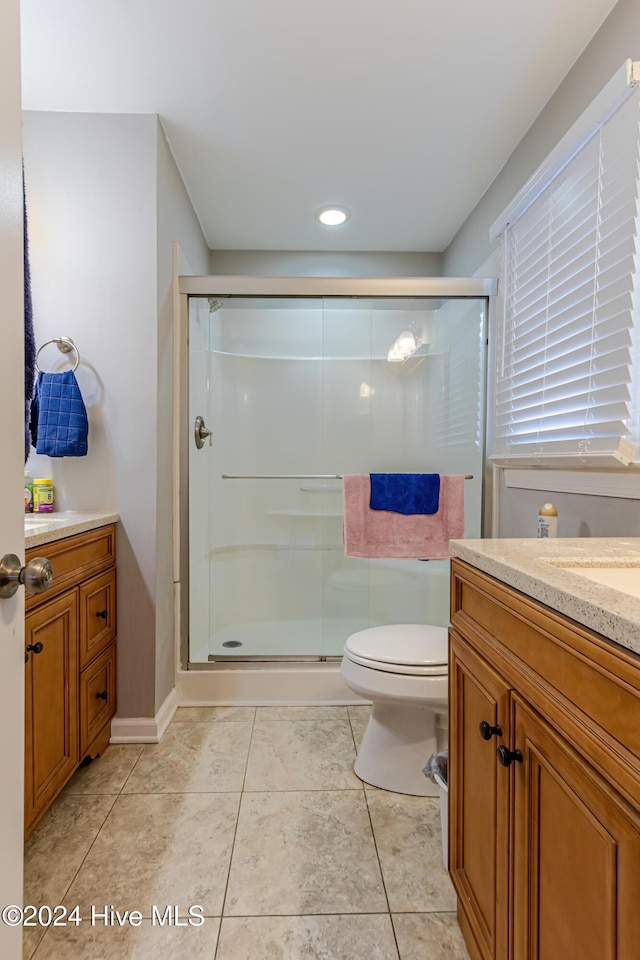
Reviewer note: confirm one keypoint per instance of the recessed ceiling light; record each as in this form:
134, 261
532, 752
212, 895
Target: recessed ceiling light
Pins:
332, 216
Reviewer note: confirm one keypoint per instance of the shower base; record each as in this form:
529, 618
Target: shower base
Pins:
292, 639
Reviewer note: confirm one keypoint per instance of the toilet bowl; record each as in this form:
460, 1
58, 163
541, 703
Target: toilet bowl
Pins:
402, 669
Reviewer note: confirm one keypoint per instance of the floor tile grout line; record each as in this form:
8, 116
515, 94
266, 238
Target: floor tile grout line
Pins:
89, 849
128, 777
384, 885
333, 913
353, 734
115, 795
219, 793
330, 913
235, 834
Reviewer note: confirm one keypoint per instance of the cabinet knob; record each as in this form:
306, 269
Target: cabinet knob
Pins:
506, 756
102, 695
487, 731
102, 613
35, 647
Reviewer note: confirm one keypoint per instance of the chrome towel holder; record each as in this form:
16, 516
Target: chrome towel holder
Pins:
64, 345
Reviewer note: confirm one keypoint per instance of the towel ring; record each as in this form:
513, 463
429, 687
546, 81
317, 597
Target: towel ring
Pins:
64, 345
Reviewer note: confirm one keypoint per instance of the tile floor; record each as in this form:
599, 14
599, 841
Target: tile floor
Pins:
255, 815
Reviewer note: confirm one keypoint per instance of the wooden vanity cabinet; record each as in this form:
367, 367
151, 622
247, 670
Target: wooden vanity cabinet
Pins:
70, 664
544, 820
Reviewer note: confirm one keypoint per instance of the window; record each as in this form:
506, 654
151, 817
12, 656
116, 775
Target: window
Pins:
566, 379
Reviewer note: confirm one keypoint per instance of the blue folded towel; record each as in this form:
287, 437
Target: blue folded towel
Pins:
59, 424
406, 493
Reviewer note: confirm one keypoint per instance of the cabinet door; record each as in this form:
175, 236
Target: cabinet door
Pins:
478, 799
51, 693
576, 853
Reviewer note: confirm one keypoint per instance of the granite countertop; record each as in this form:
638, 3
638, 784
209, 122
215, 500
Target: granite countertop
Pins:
42, 528
531, 567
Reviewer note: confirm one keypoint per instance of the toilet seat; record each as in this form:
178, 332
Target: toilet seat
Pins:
410, 649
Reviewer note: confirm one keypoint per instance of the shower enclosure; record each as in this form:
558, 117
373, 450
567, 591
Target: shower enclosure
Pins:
296, 392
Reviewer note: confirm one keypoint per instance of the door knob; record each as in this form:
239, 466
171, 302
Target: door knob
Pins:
487, 731
35, 647
201, 432
36, 575
102, 695
506, 756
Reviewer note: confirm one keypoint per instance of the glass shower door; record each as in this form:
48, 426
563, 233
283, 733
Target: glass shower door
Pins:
298, 393
384, 414
266, 526
199, 482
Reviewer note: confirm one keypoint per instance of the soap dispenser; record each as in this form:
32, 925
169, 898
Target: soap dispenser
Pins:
547, 521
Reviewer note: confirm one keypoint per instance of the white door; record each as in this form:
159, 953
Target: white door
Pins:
11, 479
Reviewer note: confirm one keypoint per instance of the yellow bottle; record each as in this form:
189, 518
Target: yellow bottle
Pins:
43, 496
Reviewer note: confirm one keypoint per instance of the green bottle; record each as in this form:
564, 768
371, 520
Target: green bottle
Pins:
28, 492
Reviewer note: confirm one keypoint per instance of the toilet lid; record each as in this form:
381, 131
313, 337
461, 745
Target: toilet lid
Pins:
405, 644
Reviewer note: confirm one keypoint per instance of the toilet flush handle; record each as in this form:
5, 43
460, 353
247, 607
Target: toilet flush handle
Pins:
487, 731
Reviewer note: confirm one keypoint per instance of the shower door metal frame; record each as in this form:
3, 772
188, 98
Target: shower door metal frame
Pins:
446, 288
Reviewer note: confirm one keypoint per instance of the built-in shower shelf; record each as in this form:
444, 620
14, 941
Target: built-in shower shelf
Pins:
302, 513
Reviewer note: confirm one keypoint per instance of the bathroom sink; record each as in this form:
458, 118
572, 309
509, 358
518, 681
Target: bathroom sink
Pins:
42, 523
37, 520
622, 573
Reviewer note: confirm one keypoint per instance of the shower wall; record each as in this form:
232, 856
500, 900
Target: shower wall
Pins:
305, 387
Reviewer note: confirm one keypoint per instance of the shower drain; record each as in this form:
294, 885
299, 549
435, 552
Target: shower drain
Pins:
232, 643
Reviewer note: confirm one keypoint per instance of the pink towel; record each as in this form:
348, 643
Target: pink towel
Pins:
381, 533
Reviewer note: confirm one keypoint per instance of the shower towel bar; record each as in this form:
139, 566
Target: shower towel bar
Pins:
295, 476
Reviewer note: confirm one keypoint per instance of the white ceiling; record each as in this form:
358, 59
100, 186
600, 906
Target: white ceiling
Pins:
402, 110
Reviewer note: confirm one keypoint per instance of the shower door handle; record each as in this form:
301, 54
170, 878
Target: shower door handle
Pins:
201, 432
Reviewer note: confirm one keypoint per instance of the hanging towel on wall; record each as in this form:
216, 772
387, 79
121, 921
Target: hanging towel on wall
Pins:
407, 493
381, 533
29, 336
59, 424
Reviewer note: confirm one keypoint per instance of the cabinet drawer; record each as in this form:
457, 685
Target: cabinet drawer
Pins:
74, 559
97, 616
97, 696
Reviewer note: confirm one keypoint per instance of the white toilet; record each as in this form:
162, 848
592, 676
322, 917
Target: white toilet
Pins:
402, 669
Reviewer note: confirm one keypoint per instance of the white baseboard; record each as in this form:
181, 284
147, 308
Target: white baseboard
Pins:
265, 684
274, 684
145, 729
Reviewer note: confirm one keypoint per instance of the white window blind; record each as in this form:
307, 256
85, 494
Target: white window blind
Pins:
567, 377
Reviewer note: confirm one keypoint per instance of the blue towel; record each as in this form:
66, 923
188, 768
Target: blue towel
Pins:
59, 424
407, 493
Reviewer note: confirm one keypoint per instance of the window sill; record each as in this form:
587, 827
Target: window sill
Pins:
622, 482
